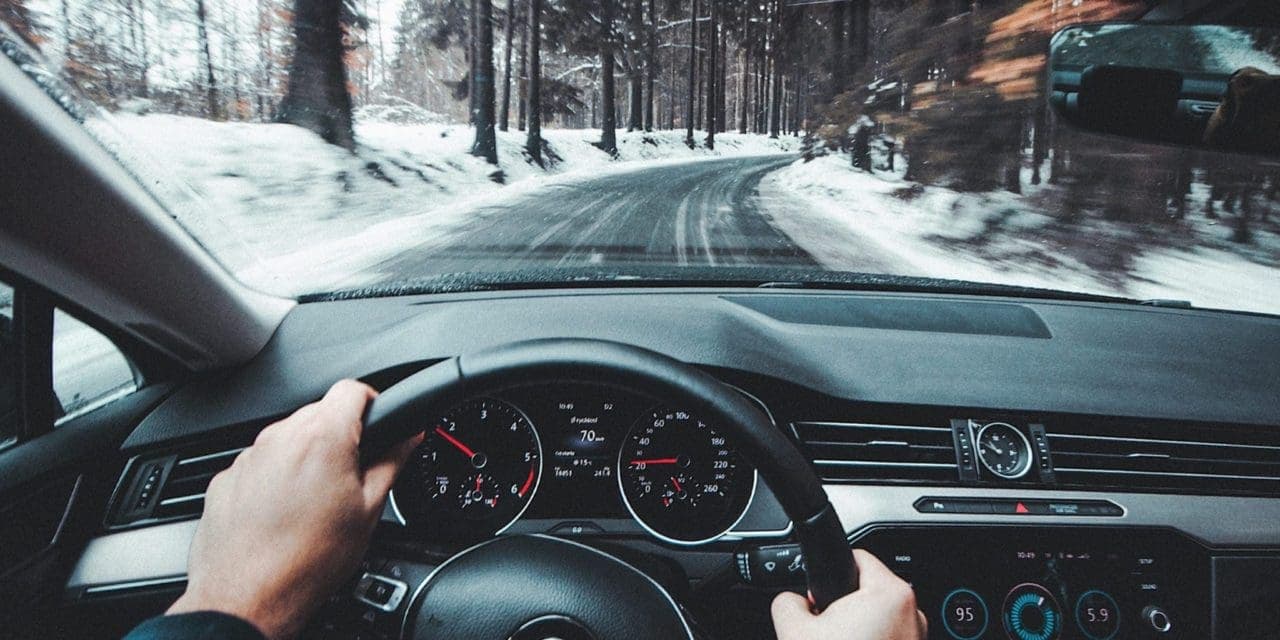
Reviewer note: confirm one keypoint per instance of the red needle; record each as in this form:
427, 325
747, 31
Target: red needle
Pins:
528, 482
455, 442
479, 479
676, 483
653, 461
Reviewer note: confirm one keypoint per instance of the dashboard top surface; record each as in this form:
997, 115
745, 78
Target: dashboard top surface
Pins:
929, 350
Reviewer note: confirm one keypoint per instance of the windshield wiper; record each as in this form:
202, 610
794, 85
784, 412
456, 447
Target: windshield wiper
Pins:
644, 276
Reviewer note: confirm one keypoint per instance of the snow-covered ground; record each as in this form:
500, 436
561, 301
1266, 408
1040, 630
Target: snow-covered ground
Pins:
290, 214
1003, 238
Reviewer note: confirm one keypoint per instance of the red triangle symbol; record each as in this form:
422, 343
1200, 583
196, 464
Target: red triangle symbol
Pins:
1021, 508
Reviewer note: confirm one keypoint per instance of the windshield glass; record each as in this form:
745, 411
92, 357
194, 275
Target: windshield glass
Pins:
376, 145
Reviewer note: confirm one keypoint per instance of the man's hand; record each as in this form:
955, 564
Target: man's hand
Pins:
883, 608
290, 520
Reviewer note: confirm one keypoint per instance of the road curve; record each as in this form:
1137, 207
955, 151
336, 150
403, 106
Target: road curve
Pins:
701, 213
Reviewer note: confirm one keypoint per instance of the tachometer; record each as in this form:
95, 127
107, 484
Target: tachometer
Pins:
681, 479
475, 472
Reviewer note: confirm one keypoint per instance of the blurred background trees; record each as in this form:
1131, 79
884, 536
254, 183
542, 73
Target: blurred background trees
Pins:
954, 87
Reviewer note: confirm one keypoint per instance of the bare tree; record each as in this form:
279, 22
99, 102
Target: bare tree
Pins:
650, 66
693, 75
504, 116
486, 144
206, 59
608, 122
711, 74
533, 143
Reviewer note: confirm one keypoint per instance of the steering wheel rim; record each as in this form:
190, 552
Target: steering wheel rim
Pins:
397, 413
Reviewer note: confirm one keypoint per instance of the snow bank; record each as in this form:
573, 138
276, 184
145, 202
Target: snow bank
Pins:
879, 223
290, 214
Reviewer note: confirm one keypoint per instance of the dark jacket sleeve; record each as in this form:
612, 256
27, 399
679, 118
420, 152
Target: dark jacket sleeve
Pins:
201, 625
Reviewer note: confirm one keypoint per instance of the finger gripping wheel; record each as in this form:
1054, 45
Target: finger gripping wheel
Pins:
398, 413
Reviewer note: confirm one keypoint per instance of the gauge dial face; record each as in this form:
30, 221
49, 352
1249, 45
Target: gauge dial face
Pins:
474, 473
1031, 613
681, 479
964, 614
1098, 615
1003, 450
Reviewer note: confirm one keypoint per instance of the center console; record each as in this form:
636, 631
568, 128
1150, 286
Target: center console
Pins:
1040, 583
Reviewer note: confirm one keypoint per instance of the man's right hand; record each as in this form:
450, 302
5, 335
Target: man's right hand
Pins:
883, 608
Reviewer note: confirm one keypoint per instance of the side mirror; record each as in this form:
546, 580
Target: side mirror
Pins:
1211, 87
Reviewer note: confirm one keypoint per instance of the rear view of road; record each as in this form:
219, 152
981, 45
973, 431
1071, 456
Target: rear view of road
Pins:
702, 213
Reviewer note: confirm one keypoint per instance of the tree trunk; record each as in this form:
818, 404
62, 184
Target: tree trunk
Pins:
486, 144
671, 90
862, 147
211, 82
744, 59
608, 122
317, 97
1039, 142
744, 89
693, 74
861, 32
1013, 157
473, 62
775, 102
533, 144
523, 80
712, 75
723, 35
836, 62
504, 117
650, 66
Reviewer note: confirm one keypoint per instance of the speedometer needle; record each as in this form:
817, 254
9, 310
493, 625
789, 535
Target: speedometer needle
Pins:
455, 442
650, 461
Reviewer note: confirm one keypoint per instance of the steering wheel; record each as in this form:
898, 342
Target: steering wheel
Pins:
535, 587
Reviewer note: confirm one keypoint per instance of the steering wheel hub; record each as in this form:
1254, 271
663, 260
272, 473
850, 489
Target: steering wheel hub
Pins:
535, 587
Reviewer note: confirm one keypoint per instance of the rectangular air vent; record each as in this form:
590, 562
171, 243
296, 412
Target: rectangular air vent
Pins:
170, 487
1203, 460
848, 451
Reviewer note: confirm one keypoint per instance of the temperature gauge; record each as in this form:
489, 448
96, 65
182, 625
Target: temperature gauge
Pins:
964, 614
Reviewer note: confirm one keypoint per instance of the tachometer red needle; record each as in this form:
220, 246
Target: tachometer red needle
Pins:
466, 451
653, 461
528, 482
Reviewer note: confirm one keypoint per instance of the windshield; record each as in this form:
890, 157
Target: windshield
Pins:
331, 145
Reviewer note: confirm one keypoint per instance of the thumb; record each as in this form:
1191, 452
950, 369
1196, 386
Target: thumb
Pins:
790, 615
380, 475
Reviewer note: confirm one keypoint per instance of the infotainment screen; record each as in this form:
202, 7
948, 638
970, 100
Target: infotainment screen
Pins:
1041, 583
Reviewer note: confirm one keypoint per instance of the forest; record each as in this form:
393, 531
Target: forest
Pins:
949, 93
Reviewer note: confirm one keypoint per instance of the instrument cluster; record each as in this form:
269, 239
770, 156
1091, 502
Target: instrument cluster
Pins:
572, 452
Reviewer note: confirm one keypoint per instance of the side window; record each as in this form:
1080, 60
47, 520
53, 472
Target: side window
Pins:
88, 370
9, 411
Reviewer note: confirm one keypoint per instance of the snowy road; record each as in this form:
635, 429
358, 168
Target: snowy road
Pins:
695, 213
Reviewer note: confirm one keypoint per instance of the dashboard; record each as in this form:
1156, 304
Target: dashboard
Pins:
1037, 470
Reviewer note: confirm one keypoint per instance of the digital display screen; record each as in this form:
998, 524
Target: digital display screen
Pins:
581, 429
1049, 584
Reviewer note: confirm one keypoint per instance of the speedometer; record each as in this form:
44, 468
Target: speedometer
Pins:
681, 479
474, 473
